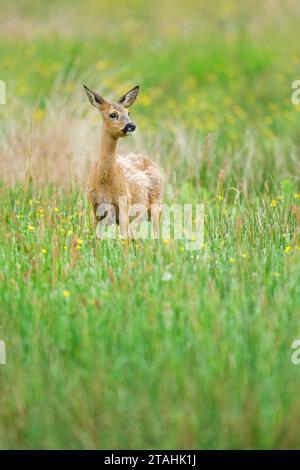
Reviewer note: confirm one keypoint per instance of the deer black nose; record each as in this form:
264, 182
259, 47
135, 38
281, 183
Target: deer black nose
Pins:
130, 127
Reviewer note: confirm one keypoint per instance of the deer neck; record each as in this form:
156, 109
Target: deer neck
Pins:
107, 156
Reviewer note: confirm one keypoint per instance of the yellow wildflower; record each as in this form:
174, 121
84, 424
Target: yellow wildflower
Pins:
275, 274
102, 64
38, 114
66, 294
145, 100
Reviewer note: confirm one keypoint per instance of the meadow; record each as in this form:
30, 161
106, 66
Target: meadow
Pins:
147, 344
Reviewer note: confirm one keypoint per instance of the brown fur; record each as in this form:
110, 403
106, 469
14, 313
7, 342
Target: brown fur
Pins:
134, 176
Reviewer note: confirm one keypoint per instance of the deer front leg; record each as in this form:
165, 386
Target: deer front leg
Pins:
99, 213
106, 221
124, 207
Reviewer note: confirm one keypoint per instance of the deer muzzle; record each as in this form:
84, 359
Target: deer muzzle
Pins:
129, 128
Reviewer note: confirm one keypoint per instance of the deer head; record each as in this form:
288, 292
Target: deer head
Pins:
116, 118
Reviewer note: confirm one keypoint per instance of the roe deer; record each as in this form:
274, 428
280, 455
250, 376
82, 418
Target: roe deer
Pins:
112, 177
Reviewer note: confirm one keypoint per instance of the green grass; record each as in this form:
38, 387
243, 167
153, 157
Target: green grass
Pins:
129, 360
101, 351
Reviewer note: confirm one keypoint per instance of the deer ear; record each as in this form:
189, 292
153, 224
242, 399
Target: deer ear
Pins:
129, 98
95, 99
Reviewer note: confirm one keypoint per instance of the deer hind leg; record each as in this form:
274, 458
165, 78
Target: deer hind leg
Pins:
141, 217
155, 201
155, 212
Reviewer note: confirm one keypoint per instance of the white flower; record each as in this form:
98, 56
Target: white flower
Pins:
167, 276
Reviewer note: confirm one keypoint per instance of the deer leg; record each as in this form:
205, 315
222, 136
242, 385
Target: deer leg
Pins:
155, 216
124, 206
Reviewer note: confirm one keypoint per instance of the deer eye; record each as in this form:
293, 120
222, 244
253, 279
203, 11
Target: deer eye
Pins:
113, 116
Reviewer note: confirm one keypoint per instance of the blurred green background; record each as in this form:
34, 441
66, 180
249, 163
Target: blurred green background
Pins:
222, 67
